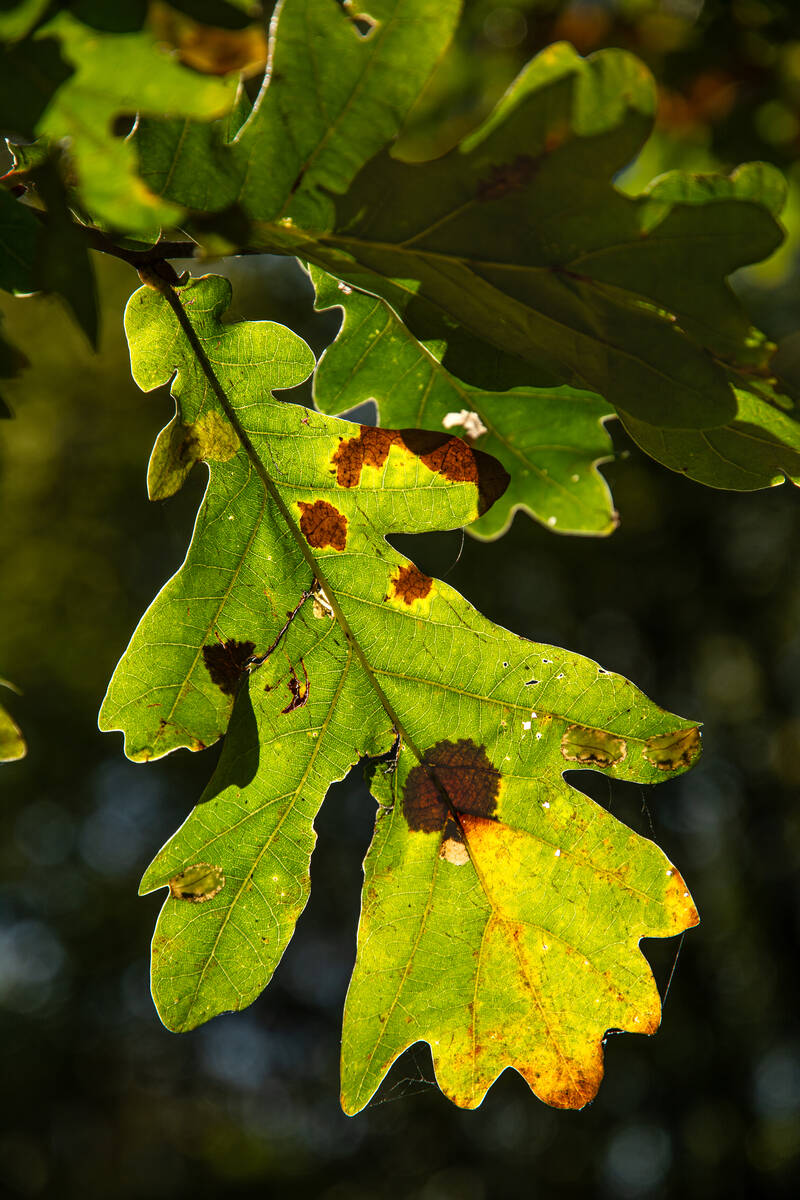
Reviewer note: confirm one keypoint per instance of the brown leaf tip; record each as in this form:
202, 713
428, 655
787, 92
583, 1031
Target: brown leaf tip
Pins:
225, 662
197, 883
673, 751
409, 584
322, 525
453, 776
592, 747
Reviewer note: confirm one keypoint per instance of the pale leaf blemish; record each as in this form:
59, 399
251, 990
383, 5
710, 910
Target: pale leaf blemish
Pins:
673, 751
197, 883
594, 747
470, 422
454, 852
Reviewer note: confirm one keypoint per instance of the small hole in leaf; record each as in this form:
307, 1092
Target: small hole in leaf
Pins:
363, 24
122, 125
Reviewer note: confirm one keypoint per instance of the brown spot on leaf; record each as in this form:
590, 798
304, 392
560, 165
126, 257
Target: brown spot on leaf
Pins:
298, 690
197, 884
583, 744
456, 460
453, 777
409, 584
323, 525
369, 449
508, 177
673, 751
445, 455
225, 662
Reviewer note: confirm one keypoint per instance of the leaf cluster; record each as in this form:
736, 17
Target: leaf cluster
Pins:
501, 303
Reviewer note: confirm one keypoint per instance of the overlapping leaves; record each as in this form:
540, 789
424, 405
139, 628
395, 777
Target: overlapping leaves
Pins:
73, 76
515, 253
550, 440
502, 909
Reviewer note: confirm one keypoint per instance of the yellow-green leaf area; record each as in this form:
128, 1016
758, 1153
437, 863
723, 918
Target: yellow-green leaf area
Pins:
12, 743
552, 441
108, 75
521, 951
294, 627
178, 447
197, 883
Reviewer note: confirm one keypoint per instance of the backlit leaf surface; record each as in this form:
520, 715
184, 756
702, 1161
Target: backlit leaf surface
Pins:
502, 908
550, 440
71, 80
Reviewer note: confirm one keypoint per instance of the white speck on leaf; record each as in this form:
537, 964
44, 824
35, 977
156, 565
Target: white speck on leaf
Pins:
471, 423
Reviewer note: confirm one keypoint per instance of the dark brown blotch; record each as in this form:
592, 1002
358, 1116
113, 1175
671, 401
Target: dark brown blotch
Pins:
299, 690
442, 453
322, 525
369, 449
454, 777
454, 459
225, 662
409, 584
508, 177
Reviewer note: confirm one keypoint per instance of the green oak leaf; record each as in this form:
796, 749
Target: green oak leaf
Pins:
12, 743
550, 440
760, 448
515, 251
332, 99
69, 82
520, 237
295, 620
18, 241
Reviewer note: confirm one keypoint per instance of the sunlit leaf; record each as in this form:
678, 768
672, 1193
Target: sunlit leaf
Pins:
514, 253
73, 78
295, 616
550, 440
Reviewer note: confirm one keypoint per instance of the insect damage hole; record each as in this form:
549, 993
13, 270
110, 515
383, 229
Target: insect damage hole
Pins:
361, 23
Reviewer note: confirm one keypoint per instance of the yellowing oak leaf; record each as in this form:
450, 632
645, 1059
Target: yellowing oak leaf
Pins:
502, 908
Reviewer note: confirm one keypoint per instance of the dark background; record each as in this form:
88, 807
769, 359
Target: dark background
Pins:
696, 598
